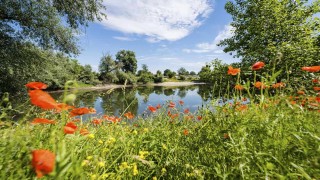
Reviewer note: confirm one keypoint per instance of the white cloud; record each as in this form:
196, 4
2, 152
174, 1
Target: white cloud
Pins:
205, 47
121, 38
158, 20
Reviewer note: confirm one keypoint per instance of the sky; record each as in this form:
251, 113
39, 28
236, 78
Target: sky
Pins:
164, 34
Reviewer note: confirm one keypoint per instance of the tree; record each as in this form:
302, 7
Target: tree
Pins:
182, 71
270, 30
145, 75
107, 69
192, 73
50, 24
158, 78
128, 60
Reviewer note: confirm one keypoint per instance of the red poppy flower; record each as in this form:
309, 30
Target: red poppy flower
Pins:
42, 99
315, 80
278, 85
43, 162
129, 115
172, 105
185, 132
82, 111
186, 111
42, 121
174, 115
84, 132
152, 109
316, 88
238, 87
199, 118
301, 92
259, 85
64, 106
233, 71
158, 106
114, 119
258, 65
70, 128
96, 121
181, 102
36, 85
311, 68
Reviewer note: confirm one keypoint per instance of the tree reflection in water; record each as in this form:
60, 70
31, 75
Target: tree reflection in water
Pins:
136, 99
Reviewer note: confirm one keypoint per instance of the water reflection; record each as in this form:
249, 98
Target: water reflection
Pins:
137, 99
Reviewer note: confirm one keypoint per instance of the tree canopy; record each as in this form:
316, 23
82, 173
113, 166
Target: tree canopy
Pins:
270, 30
128, 60
50, 24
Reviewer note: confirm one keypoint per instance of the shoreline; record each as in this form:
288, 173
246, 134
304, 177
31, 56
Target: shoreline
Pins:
114, 86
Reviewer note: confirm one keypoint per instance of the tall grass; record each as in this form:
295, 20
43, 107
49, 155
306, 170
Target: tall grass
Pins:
273, 140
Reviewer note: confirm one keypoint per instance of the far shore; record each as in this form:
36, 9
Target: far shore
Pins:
114, 86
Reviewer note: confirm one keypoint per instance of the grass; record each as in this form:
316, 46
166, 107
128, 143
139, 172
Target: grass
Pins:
272, 140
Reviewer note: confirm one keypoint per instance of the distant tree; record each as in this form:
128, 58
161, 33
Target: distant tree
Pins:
158, 77
182, 71
145, 75
107, 69
128, 60
192, 73
166, 72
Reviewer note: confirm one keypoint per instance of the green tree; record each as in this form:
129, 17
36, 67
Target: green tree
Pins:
158, 77
107, 69
182, 71
128, 60
50, 24
145, 75
264, 29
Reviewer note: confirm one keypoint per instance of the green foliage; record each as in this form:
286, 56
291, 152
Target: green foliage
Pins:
128, 60
144, 75
158, 77
278, 142
263, 29
213, 72
107, 68
182, 71
169, 73
26, 63
41, 21
128, 77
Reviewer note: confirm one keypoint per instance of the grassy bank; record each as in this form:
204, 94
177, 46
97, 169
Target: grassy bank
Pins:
276, 139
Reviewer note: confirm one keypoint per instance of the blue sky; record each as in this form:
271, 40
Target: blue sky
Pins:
166, 34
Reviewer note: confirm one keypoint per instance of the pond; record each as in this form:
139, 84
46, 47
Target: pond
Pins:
137, 99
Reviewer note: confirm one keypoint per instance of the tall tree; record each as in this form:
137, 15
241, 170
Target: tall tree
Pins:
50, 24
128, 60
107, 68
267, 30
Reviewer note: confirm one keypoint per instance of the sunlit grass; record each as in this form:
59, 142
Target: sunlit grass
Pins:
268, 140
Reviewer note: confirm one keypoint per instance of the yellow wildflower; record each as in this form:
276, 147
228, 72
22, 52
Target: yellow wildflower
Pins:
143, 154
154, 178
124, 165
101, 164
135, 169
135, 132
91, 136
89, 157
100, 142
111, 140
164, 147
145, 130
84, 162
163, 170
